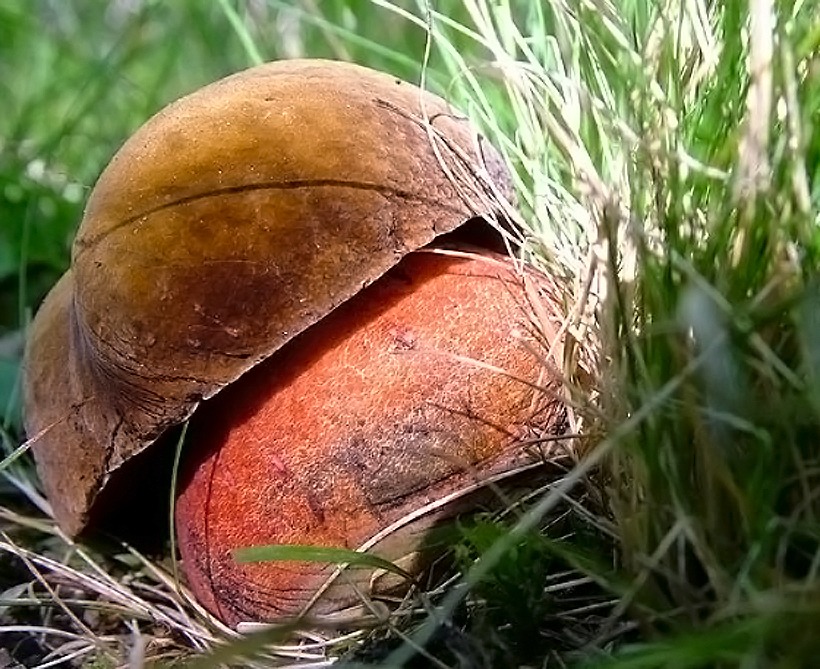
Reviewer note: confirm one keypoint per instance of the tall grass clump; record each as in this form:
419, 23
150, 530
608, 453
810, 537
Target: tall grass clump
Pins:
675, 146
666, 156
715, 492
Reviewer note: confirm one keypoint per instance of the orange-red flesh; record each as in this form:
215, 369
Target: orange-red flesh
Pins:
363, 418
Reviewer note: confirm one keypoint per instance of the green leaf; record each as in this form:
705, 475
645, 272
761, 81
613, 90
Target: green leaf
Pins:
302, 553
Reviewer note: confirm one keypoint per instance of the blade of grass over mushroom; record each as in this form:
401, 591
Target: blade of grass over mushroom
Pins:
320, 554
14, 455
172, 499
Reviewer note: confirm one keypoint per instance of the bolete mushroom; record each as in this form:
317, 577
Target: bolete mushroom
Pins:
245, 224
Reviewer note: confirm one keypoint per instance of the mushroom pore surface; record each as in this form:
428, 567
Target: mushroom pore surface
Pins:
361, 421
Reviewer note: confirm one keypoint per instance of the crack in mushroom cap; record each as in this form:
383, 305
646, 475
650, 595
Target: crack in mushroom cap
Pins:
234, 219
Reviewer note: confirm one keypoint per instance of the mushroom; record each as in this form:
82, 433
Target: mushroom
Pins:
269, 236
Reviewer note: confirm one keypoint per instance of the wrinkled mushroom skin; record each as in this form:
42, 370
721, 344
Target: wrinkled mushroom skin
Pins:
233, 220
362, 419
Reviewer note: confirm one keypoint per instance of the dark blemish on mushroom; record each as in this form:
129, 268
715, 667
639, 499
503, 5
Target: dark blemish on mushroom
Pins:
403, 339
315, 506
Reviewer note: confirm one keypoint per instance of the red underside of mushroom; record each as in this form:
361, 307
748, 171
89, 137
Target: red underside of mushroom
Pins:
369, 415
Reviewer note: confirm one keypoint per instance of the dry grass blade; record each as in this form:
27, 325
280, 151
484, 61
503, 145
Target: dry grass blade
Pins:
753, 155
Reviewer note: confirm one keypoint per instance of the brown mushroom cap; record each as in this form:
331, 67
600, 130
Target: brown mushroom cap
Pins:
230, 222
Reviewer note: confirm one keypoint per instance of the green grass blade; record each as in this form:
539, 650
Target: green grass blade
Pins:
322, 554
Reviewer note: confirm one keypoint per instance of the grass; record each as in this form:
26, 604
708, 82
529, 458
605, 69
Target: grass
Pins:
667, 162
